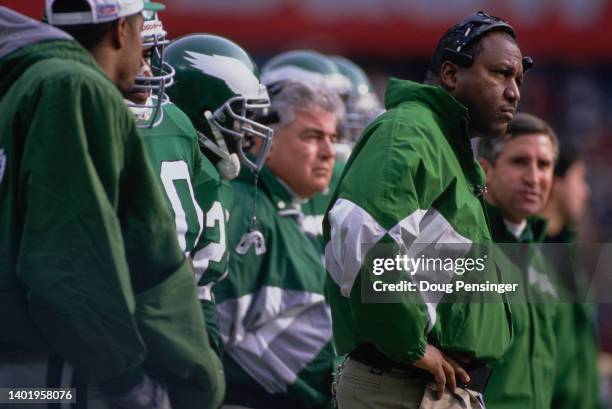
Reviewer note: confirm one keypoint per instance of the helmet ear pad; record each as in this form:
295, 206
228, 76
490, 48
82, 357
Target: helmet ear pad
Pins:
215, 148
224, 122
229, 168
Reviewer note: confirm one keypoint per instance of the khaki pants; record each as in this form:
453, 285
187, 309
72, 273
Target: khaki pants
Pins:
359, 386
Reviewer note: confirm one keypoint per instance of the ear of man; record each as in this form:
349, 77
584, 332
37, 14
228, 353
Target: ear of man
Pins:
486, 165
449, 73
120, 33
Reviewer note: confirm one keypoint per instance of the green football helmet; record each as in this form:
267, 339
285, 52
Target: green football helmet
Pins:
158, 75
362, 104
217, 85
306, 66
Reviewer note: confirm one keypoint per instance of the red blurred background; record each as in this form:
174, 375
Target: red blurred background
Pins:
575, 30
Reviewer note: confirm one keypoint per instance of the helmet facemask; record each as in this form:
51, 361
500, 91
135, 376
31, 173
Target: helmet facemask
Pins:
232, 120
158, 77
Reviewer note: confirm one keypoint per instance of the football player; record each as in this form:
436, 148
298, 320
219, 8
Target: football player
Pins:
362, 104
307, 66
172, 145
170, 138
217, 85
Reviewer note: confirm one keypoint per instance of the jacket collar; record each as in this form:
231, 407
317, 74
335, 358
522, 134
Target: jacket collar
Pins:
454, 115
284, 199
533, 233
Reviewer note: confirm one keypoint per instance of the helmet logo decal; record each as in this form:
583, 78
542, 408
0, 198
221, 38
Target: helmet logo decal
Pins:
238, 77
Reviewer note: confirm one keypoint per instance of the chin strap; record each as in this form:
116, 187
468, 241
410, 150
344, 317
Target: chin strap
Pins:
253, 236
229, 163
141, 113
229, 168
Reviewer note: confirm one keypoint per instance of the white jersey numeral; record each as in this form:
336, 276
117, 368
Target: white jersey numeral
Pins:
171, 172
213, 251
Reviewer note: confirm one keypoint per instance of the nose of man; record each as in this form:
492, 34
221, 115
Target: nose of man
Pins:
512, 93
145, 69
530, 175
326, 149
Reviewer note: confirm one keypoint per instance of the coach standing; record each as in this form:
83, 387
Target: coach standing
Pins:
519, 170
412, 179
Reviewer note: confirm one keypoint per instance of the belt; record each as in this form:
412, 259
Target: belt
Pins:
369, 355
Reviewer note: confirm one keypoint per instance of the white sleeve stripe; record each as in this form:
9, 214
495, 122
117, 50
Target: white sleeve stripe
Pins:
274, 333
354, 232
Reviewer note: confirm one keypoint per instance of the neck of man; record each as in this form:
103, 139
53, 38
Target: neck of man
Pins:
516, 229
106, 59
474, 133
515, 225
297, 199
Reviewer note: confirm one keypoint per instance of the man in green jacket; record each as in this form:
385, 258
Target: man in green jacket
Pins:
312, 67
519, 170
275, 321
576, 378
411, 182
92, 281
361, 105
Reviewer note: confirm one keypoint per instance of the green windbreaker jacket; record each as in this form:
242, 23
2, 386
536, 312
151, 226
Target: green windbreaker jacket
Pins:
524, 377
411, 180
274, 320
90, 268
577, 375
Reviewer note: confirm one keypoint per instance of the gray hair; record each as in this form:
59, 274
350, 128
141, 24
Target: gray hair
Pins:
286, 97
522, 124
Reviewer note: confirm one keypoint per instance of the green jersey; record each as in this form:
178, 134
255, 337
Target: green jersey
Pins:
199, 200
274, 319
411, 180
211, 254
175, 155
89, 265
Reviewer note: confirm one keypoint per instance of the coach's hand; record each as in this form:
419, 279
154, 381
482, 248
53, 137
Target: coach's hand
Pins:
443, 368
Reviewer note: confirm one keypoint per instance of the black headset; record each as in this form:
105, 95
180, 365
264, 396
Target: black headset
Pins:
469, 30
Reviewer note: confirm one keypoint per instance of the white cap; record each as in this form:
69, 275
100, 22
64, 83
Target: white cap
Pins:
100, 11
